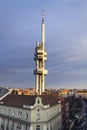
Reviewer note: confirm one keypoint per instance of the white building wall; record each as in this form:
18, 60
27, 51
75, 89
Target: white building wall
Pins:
46, 116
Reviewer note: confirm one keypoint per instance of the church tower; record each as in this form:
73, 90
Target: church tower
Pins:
40, 57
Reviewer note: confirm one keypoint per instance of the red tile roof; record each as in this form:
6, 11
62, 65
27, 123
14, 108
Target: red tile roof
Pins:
58, 97
49, 99
20, 100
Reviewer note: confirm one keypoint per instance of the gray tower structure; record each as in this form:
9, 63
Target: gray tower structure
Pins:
40, 57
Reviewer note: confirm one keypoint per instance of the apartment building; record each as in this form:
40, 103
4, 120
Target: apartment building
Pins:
22, 112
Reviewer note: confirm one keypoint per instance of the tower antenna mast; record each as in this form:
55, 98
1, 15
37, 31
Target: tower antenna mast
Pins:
40, 58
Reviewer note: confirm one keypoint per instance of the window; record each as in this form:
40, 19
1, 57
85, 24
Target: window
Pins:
19, 114
4, 110
38, 116
13, 113
26, 116
3, 121
2, 127
19, 125
26, 127
37, 127
12, 123
8, 111
38, 101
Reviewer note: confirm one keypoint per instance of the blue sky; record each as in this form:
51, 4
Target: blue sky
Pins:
66, 42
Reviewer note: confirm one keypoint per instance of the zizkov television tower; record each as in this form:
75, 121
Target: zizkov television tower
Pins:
40, 56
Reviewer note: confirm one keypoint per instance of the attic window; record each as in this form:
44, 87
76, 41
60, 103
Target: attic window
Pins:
38, 101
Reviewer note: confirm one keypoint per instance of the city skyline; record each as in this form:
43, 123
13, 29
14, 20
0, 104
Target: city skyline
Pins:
66, 42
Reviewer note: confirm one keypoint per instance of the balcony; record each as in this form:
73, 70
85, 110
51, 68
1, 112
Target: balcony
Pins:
45, 53
40, 71
45, 72
39, 57
45, 58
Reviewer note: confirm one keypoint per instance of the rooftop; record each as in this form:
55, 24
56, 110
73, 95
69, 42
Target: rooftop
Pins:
20, 100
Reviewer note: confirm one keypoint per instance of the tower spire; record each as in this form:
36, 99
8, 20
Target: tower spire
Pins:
43, 30
40, 57
42, 15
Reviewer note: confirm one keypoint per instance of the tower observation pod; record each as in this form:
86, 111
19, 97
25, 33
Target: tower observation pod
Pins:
40, 57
